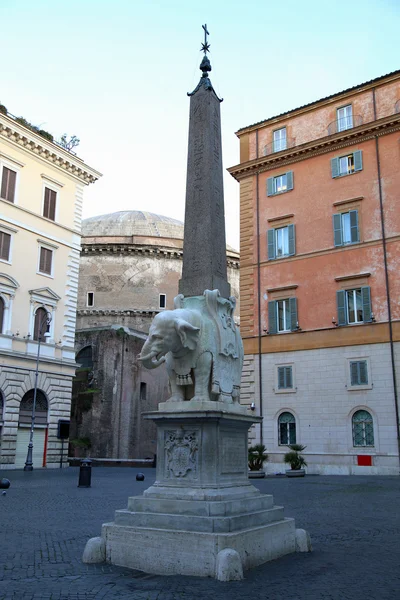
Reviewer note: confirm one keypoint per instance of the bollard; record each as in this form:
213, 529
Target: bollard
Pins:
85, 473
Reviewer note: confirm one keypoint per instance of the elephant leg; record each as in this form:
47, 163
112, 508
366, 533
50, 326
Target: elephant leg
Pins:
202, 374
177, 391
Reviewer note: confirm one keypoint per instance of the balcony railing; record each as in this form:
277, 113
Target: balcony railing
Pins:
278, 146
397, 107
344, 124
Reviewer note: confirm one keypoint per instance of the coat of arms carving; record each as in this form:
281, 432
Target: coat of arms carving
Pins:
181, 453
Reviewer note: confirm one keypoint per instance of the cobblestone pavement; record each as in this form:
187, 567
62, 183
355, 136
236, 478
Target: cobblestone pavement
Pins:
45, 521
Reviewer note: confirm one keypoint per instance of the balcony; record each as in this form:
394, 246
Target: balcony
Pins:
344, 124
278, 146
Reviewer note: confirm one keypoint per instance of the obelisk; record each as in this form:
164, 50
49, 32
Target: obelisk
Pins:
204, 246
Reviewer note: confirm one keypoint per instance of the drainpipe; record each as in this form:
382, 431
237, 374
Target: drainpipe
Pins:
396, 399
259, 295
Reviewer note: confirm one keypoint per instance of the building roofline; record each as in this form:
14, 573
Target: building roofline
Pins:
306, 107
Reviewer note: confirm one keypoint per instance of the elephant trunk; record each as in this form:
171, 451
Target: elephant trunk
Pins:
150, 361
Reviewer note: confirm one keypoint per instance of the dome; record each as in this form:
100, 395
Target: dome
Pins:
132, 222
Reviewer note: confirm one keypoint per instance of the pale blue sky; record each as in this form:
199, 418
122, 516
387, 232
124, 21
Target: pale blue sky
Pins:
116, 73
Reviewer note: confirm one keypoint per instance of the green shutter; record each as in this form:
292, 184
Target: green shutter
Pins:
289, 180
270, 186
288, 377
272, 316
357, 155
292, 240
363, 379
335, 167
354, 375
281, 378
366, 303
293, 313
271, 244
337, 230
341, 307
354, 226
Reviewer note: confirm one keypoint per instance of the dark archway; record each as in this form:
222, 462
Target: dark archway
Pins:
85, 358
25, 409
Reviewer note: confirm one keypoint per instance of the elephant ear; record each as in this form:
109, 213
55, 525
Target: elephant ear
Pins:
189, 334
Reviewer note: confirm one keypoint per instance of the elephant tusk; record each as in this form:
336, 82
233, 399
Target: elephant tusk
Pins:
149, 356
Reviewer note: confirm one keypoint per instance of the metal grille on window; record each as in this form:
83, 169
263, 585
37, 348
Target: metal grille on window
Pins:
287, 429
363, 429
25, 409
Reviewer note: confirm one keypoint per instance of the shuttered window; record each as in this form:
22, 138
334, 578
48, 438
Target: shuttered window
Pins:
279, 142
45, 260
162, 301
286, 429
8, 182
346, 165
280, 183
363, 428
345, 228
281, 242
285, 378
358, 372
49, 205
2, 311
282, 315
354, 306
5, 241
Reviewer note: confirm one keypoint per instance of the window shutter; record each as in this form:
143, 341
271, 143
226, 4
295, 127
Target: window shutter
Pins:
292, 240
5, 240
45, 261
363, 372
366, 303
8, 184
272, 316
341, 307
271, 243
4, 183
270, 186
46, 204
288, 377
357, 155
354, 226
335, 167
52, 207
42, 260
337, 230
293, 313
354, 373
281, 377
2, 306
289, 180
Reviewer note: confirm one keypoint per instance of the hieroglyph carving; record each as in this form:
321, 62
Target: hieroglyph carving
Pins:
181, 453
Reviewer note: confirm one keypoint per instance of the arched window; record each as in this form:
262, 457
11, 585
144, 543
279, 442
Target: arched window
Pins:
85, 358
25, 409
286, 429
2, 311
363, 428
39, 327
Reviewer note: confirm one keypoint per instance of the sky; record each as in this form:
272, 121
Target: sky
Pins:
116, 74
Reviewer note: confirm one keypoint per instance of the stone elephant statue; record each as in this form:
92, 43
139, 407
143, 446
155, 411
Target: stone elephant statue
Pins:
186, 339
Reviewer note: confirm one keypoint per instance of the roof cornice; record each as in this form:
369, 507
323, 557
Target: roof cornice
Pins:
337, 97
315, 147
36, 145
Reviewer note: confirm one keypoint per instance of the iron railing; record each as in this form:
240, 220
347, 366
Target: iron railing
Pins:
278, 146
344, 124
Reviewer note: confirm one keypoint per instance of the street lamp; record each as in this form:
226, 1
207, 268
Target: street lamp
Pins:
44, 324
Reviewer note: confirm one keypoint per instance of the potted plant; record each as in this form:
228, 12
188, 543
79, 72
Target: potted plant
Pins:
257, 455
295, 460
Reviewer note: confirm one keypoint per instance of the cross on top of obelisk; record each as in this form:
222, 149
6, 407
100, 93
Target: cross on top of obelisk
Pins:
205, 46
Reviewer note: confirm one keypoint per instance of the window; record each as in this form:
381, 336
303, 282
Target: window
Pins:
163, 301
344, 117
279, 142
286, 429
40, 325
346, 165
282, 315
280, 183
85, 358
354, 306
285, 378
142, 391
26, 407
281, 242
5, 242
45, 261
90, 299
49, 204
2, 311
363, 428
8, 181
358, 372
345, 228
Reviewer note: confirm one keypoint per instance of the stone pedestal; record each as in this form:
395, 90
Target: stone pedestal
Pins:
201, 503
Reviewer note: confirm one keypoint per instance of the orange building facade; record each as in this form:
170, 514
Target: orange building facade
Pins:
320, 279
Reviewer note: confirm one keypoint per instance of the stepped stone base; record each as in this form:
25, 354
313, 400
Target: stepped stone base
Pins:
201, 504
